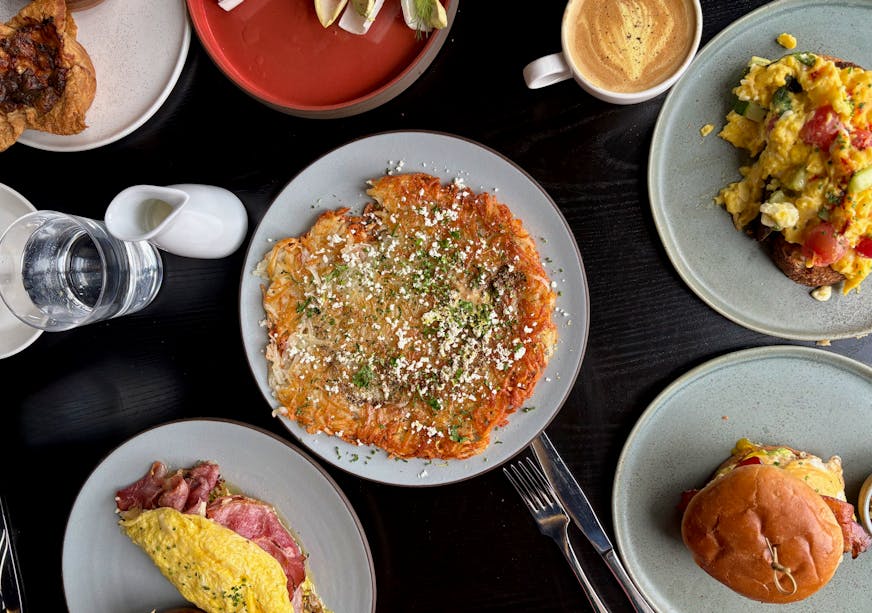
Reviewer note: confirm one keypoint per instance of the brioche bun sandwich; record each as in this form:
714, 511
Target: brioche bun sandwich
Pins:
773, 523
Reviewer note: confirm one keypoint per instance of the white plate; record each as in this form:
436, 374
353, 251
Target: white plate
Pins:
725, 268
104, 572
339, 179
806, 398
138, 48
15, 335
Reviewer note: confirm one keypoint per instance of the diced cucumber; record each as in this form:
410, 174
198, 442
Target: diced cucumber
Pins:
755, 112
861, 181
781, 101
806, 58
749, 109
796, 181
777, 196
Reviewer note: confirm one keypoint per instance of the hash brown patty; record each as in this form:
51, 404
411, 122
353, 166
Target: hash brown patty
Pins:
417, 326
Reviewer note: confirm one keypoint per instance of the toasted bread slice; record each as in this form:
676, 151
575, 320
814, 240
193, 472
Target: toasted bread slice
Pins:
788, 257
47, 80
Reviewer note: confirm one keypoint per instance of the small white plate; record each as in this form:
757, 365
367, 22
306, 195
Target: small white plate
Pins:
138, 48
104, 572
15, 335
339, 179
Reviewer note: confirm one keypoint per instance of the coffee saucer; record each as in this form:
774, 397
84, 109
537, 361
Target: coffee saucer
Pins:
15, 335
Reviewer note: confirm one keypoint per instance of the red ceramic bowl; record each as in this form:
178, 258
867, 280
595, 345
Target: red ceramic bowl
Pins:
278, 52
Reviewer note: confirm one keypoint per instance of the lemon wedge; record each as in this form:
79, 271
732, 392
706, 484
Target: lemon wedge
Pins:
328, 10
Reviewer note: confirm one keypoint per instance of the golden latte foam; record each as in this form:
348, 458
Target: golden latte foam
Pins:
628, 45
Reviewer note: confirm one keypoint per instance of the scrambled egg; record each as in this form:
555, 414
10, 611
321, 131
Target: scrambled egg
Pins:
806, 123
788, 41
825, 478
211, 566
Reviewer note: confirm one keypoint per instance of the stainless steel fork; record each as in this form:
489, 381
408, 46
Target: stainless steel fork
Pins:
4, 549
552, 520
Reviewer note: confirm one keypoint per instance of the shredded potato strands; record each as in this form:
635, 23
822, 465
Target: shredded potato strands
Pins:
777, 567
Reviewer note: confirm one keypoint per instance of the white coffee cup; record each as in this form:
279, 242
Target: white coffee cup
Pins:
559, 67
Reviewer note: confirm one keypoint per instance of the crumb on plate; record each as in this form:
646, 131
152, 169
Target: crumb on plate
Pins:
822, 293
706, 130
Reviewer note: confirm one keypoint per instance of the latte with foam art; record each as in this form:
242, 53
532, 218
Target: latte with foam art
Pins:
628, 45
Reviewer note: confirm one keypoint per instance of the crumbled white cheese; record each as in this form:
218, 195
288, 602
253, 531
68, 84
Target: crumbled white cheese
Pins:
779, 215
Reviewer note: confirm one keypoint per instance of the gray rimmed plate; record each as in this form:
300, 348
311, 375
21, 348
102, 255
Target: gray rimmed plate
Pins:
339, 179
724, 267
104, 572
803, 397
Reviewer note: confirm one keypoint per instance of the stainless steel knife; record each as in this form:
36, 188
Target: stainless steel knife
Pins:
578, 508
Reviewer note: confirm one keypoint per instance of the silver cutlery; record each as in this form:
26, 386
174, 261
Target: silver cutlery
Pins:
4, 549
578, 507
9, 603
552, 520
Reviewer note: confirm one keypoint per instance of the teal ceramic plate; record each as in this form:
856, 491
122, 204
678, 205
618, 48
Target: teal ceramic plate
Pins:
728, 270
806, 398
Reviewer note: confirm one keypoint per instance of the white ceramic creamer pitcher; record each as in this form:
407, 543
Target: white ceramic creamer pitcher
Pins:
188, 219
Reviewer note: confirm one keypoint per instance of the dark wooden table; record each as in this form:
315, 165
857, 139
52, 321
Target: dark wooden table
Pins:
74, 396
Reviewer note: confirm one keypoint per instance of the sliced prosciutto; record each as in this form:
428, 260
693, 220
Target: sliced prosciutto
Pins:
185, 490
258, 522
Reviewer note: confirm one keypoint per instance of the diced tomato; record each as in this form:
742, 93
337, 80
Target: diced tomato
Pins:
864, 247
752, 460
823, 245
823, 127
861, 139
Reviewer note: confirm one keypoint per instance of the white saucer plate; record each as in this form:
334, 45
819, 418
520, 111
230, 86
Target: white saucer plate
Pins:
138, 48
15, 335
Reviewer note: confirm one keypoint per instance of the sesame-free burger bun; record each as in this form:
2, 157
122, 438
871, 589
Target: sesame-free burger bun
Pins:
726, 524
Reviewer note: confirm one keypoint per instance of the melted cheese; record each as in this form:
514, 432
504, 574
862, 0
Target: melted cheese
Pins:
823, 477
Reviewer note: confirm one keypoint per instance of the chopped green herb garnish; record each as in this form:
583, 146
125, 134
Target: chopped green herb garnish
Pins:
363, 377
